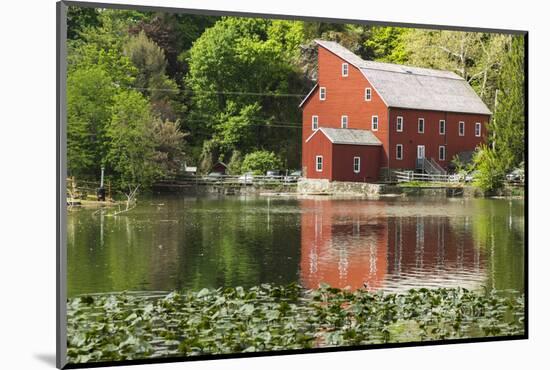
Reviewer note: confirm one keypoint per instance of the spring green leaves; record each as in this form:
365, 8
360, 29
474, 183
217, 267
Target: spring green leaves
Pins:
271, 318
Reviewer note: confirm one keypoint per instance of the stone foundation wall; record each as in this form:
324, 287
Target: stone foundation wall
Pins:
312, 186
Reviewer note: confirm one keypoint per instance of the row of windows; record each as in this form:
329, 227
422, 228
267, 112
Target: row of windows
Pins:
323, 93
399, 125
319, 164
421, 150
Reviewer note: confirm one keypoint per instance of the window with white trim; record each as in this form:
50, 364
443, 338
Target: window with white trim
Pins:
344, 121
345, 69
441, 152
441, 127
461, 128
319, 163
374, 123
399, 151
323, 93
421, 125
399, 124
356, 164
478, 129
368, 93
314, 122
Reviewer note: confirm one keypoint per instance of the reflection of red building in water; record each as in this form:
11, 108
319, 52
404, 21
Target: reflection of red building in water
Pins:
350, 243
432, 251
343, 243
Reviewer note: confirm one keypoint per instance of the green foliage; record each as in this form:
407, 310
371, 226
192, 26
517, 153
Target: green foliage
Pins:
235, 163
208, 157
79, 19
261, 161
232, 82
90, 95
385, 44
236, 70
168, 145
475, 56
237, 127
174, 34
151, 79
491, 167
131, 152
267, 318
508, 124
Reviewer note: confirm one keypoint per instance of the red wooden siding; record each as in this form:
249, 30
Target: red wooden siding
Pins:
342, 167
431, 139
345, 96
318, 145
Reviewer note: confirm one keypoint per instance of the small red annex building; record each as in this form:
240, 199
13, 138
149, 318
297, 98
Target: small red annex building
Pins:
364, 119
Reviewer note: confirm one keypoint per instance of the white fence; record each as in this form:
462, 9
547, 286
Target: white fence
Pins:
231, 180
408, 176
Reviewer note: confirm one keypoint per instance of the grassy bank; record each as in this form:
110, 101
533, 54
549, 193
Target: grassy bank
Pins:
270, 318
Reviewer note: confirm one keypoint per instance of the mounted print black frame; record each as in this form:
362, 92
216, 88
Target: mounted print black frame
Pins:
346, 263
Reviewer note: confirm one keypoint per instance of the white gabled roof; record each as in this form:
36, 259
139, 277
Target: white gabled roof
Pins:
403, 86
348, 136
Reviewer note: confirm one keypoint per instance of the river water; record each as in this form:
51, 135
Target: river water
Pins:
177, 242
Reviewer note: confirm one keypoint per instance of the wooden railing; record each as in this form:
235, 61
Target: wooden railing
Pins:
240, 180
429, 166
408, 176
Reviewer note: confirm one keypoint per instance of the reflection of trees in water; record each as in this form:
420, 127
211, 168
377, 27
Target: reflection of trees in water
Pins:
196, 243
239, 243
103, 254
498, 226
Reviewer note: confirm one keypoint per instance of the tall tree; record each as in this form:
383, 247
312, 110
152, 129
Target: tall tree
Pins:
474, 56
79, 19
385, 44
236, 67
508, 125
151, 78
90, 94
168, 145
131, 147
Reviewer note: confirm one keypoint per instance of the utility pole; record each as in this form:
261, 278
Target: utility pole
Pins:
495, 120
101, 189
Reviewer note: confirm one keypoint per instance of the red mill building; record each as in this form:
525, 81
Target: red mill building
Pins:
363, 118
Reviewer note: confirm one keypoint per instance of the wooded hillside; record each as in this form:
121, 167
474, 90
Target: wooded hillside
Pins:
148, 92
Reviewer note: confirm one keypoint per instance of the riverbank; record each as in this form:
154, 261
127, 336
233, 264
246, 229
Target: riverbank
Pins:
428, 189
310, 187
271, 318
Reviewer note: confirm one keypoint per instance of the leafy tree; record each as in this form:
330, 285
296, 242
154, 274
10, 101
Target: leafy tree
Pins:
174, 34
385, 44
79, 19
90, 95
236, 128
235, 163
169, 146
508, 124
491, 167
151, 79
475, 56
261, 161
234, 68
132, 148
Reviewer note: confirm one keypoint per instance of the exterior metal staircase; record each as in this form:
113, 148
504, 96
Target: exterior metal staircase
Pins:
429, 166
